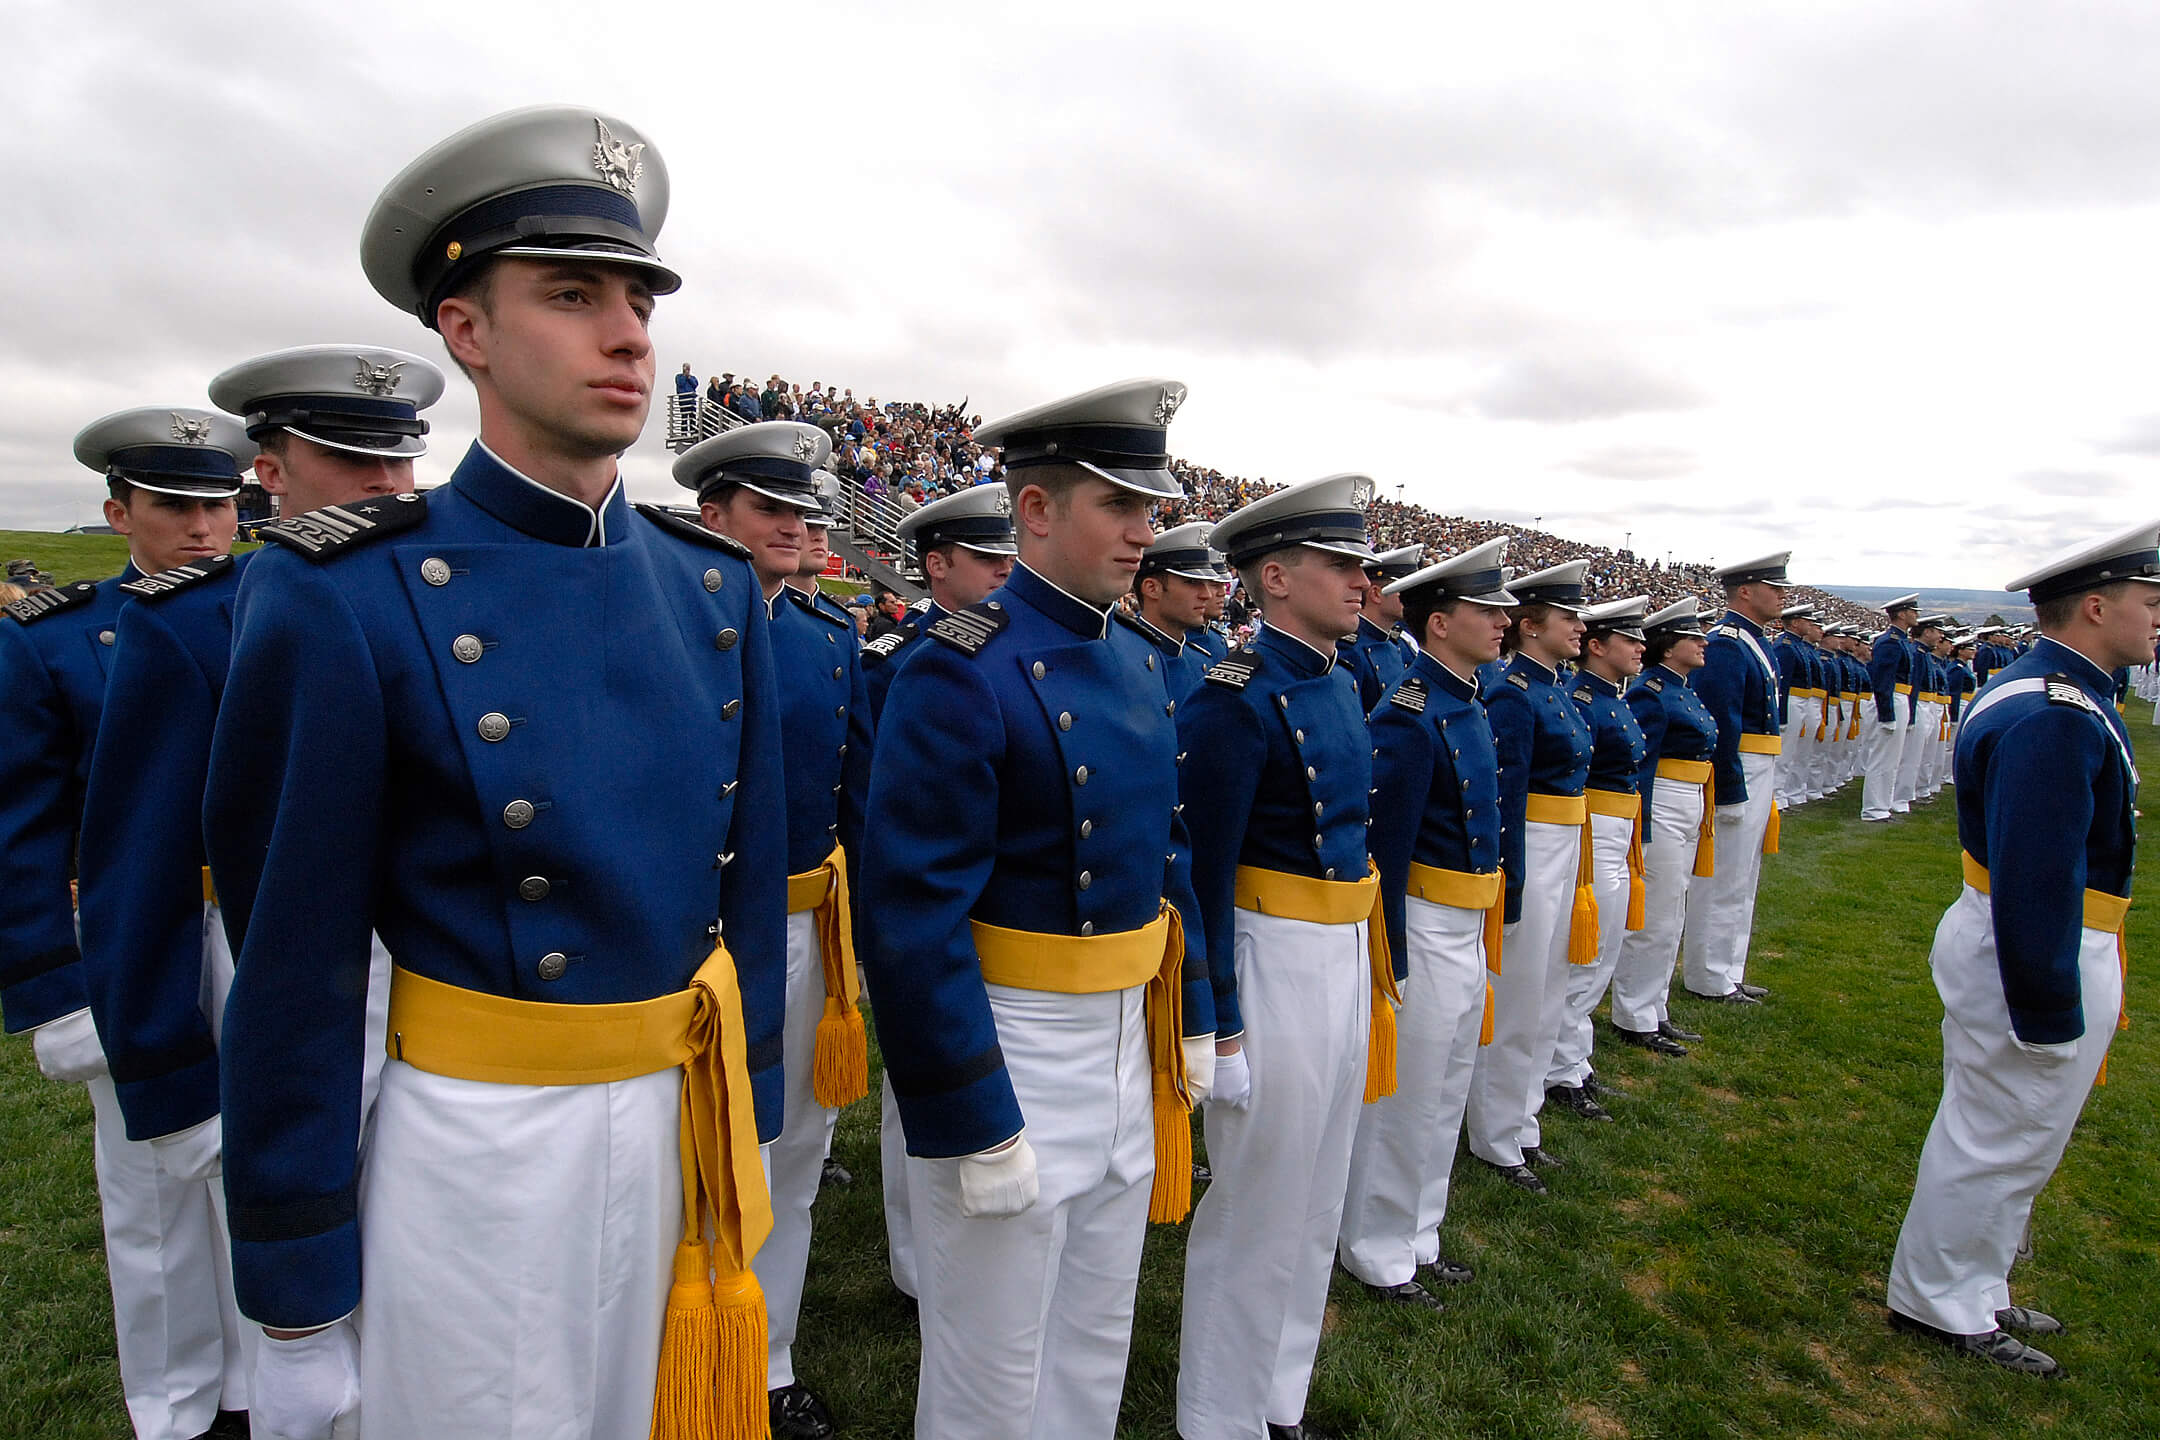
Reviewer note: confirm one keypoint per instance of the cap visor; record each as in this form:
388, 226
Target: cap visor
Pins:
1336, 547
988, 547
1159, 483
188, 488
405, 447
809, 506
662, 281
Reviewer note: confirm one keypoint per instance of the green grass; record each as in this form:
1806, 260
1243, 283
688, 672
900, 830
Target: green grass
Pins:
65, 557
1711, 1265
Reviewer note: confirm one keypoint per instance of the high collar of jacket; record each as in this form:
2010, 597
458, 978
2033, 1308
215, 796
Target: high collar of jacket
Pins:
1521, 664
1304, 661
1066, 608
1734, 617
525, 505
1436, 674
1597, 684
2070, 662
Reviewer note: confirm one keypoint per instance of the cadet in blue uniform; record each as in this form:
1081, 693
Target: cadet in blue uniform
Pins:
171, 474
530, 736
964, 544
1891, 664
1918, 778
1171, 593
1025, 962
1800, 702
1612, 656
1436, 841
1738, 686
1679, 741
1210, 636
1544, 750
1962, 686
756, 485
1277, 776
2028, 959
1377, 653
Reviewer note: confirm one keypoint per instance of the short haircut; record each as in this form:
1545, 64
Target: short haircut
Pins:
1056, 481
478, 286
2057, 613
1660, 643
1248, 573
119, 489
1418, 607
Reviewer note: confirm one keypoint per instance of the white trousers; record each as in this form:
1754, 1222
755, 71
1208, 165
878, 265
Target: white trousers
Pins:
2000, 1131
1643, 977
795, 1161
1885, 751
1926, 775
517, 1244
1507, 1087
1263, 1237
1405, 1147
1721, 909
1586, 984
1026, 1321
1798, 734
895, 1178
1915, 738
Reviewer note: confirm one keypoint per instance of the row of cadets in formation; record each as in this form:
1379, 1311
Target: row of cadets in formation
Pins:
1920, 678
115, 691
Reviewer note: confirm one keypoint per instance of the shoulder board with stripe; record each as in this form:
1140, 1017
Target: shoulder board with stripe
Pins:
969, 630
1235, 670
882, 649
920, 606
1520, 682
1410, 695
690, 530
44, 604
321, 534
1730, 632
809, 603
2062, 690
153, 588
1655, 684
1583, 694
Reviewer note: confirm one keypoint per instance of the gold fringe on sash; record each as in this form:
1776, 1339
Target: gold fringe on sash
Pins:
1771, 831
1582, 943
840, 1071
1380, 1045
1638, 889
1171, 1198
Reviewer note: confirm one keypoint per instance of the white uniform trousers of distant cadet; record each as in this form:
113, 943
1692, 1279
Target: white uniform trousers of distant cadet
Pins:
1612, 836
795, 1161
1642, 980
1721, 908
2006, 1115
1405, 1148
1026, 1320
1263, 1237
1508, 1085
1797, 755
1912, 742
1885, 754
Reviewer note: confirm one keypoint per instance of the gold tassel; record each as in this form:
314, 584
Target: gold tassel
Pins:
1638, 893
1496, 928
1706, 832
1770, 833
1582, 945
1380, 1036
1170, 1199
685, 1402
1484, 1034
840, 1074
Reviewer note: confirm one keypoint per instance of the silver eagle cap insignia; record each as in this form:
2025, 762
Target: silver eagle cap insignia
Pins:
189, 430
1166, 407
805, 447
377, 379
617, 163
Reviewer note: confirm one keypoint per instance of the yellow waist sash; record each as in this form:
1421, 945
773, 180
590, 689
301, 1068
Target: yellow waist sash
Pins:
1154, 956
1761, 744
1902, 688
840, 1067
2103, 912
1557, 809
1466, 891
713, 1338
1694, 772
1583, 919
1698, 772
1626, 806
1339, 902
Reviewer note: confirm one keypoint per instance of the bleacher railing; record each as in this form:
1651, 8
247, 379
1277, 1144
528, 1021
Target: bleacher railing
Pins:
691, 418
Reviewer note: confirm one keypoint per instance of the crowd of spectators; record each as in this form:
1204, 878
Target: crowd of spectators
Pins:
915, 452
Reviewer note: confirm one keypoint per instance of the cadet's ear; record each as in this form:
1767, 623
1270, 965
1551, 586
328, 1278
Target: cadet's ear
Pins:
1031, 510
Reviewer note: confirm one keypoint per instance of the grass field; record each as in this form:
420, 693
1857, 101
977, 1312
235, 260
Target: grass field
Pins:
65, 557
1711, 1265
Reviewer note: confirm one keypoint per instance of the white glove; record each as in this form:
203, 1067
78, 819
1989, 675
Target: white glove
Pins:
998, 1184
308, 1389
1199, 1065
67, 1049
2051, 1054
1233, 1080
196, 1153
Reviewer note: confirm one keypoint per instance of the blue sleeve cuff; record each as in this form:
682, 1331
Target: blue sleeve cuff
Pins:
44, 998
963, 1121
2048, 1027
301, 1283
169, 1103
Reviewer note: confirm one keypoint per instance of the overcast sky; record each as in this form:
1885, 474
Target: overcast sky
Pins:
1873, 281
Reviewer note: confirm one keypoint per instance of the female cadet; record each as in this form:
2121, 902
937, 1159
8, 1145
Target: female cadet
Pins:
1612, 656
1544, 754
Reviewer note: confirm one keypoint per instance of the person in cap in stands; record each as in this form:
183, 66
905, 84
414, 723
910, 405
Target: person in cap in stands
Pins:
758, 485
2028, 958
1612, 656
1044, 1034
1277, 777
1436, 842
1171, 593
1544, 752
528, 733
171, 474
1376, 654
1679, 743
1738, 685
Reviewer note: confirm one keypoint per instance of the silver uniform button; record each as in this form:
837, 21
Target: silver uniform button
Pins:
1151, 662
467, 649
1064, 719
553, 964
534, 887
1331, 872
493, 726
726, 639
1086, 879
518, 814
1080, 775
1087, 927
435, 571
728, 711
1087, 828
1299, 735
838, 671
1037, 670
1312, 772
712, 580
1316, 809
105, 637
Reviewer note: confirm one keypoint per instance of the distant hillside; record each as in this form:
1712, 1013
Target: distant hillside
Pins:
1972, 606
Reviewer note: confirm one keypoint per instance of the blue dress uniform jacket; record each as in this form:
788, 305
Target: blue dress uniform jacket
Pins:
1436, 786
1183, 662
2045, 795
52, 689
1543, 744
825, 731
1277, 774
1958, 684
536, 748
881, 657
142, 845
1025, 777
1739, 689
1209, 644
1376, 658
1890, 664
1674, 724
1617, 745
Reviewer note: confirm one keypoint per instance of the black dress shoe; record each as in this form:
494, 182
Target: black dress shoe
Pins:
1730, 997
1673, 1032
835, 1173
1407, 1293
1444, 1271
1593, 1087
1522, 1177
1997, 1347
2028, 1322
1298, 1431
1201, 1175
1753, 992
1652, 1041
1542, 1159
229, 1425
799, 1415
1576, 1101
